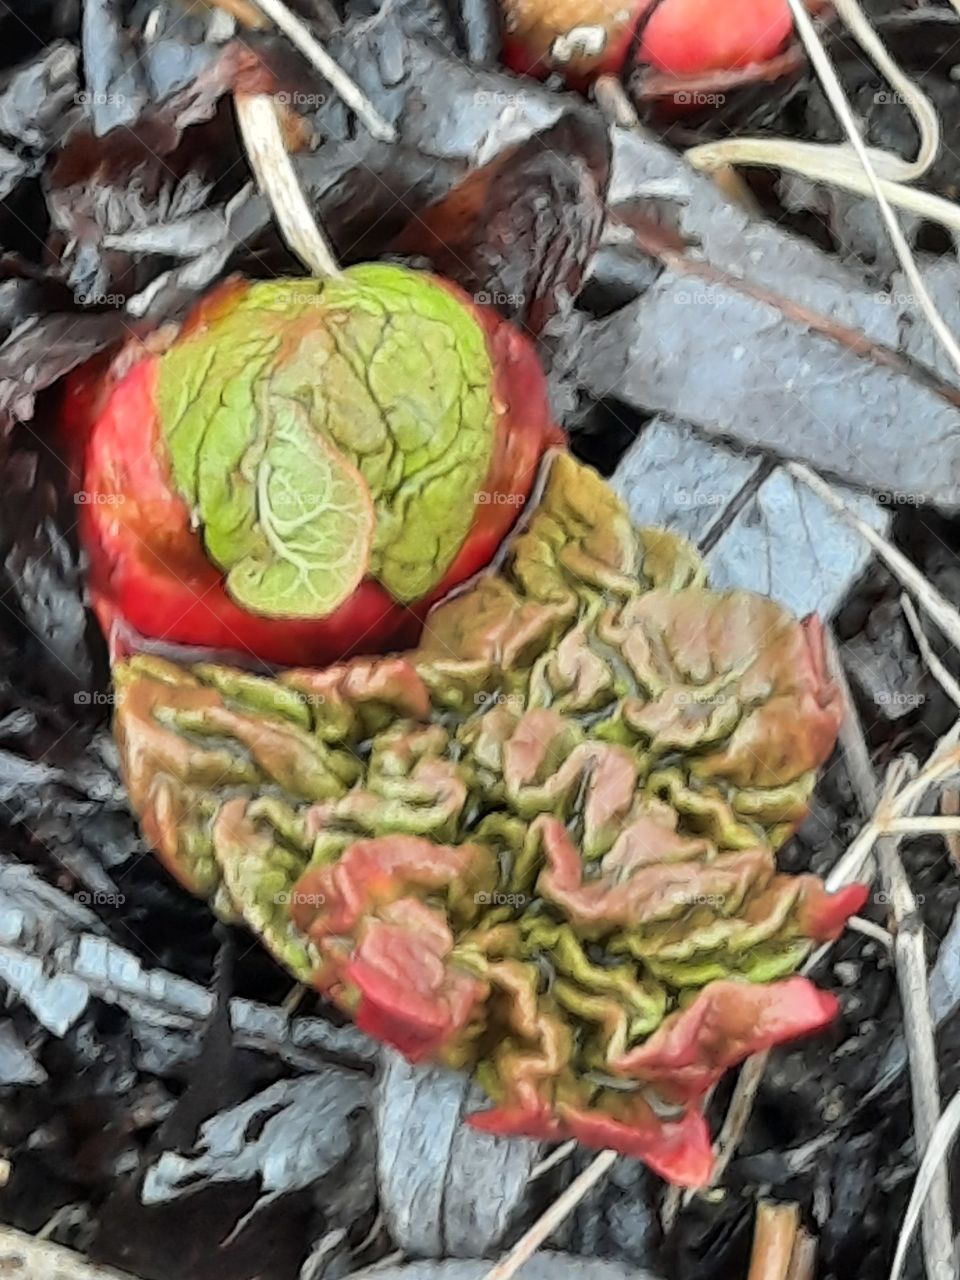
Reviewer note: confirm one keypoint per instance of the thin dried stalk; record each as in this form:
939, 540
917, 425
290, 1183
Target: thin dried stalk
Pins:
840, 165
950, 797
871, 930
819, 164
31, 1259
938, 1149
277, 179
293, 999
934, 826
950, 807
841, 105
939, 672
928, 597
614, 104
736, 189
739, 1112
911, 971
914, 99
803, 1264
857, 860
855, 752
553, 1159
311, 48
559, 1211
673, 1199
774, 1239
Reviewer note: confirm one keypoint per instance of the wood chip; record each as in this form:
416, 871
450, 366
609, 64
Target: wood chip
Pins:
23, 1257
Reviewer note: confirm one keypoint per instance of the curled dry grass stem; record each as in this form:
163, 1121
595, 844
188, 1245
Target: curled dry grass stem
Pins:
919, 105
841, 158
818, 163
832, 87
871, 930
840, 165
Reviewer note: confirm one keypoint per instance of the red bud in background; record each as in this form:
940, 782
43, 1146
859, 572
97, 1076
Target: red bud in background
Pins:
583, 39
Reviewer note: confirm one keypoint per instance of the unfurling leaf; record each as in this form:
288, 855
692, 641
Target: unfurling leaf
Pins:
313, 528
322, 431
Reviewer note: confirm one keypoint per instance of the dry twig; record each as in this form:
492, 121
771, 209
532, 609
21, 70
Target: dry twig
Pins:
803, 1264
276, 177
841, 165
300, 35
928, 597
911, 972
774, 1240
844, 112
547, 1223
556, 1157
871, 930
939, 672
613, 102
937, 1151
739, 1112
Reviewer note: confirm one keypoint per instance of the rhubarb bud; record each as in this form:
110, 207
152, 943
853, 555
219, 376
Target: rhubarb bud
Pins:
308, 464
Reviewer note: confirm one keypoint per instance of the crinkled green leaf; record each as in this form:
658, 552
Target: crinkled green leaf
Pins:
326, 430
310, 542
